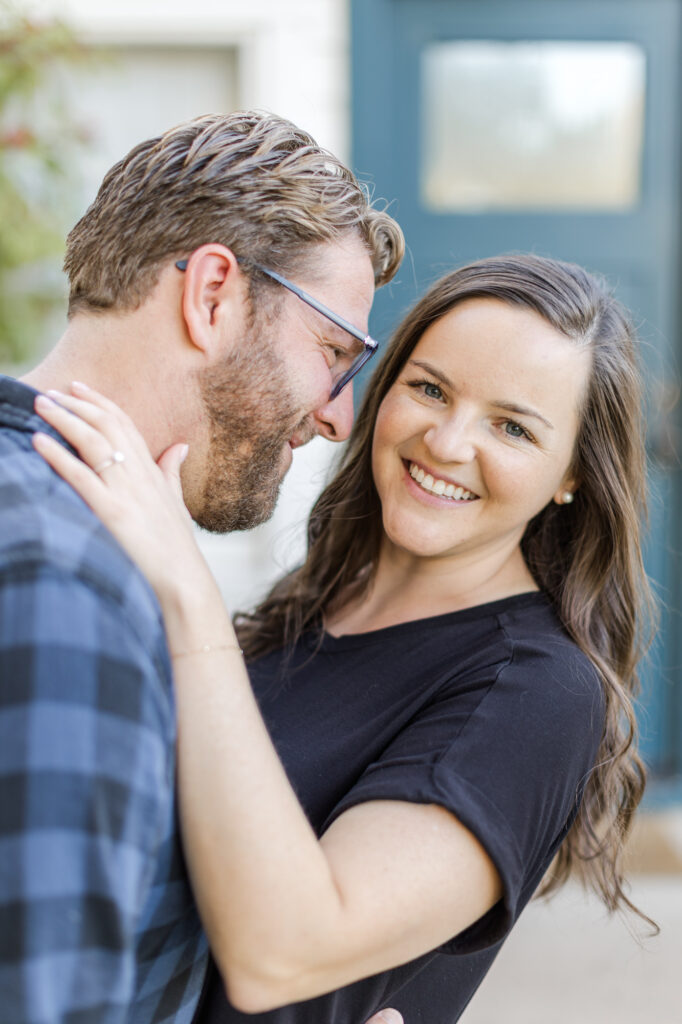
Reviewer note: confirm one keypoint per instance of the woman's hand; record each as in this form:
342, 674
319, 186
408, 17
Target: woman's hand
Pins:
140, 501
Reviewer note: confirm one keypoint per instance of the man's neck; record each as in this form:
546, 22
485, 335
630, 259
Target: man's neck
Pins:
116, 356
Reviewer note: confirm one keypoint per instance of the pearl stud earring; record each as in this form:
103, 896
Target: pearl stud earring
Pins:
566, 497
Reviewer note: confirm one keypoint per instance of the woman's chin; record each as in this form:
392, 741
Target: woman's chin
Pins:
413, 539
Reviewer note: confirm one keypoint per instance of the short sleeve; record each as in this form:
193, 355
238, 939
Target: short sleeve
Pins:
86, 779
512, 769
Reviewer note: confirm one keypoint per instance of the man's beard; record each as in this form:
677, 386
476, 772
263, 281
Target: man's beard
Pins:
252, 414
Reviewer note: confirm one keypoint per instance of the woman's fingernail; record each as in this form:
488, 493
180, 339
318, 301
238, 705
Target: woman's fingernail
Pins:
390, 1016
78, 385
43, 402
183, 453
53, 391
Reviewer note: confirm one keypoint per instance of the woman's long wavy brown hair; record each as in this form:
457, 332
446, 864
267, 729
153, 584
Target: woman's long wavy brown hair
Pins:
585, 556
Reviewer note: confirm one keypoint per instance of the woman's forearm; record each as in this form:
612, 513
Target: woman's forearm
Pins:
290, 917
263, 884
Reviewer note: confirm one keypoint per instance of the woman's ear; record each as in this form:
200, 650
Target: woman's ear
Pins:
213, 289
566, 494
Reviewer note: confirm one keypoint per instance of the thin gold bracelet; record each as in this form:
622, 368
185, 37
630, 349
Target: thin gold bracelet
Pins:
206, 649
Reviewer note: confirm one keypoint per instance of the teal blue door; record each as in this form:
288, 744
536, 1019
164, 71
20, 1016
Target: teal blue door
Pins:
551, 126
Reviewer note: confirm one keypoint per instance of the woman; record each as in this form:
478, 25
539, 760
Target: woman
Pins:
448, 677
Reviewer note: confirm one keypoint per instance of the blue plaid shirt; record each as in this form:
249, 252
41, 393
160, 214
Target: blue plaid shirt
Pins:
97, 922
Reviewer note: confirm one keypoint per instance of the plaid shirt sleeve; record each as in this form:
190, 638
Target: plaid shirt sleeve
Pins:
86, 779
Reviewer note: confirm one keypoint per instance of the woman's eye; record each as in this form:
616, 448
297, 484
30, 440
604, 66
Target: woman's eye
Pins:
513, 429
427, 388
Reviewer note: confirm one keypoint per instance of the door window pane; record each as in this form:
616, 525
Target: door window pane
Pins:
531, 125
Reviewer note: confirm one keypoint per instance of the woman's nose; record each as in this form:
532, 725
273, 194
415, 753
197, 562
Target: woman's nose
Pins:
452, 440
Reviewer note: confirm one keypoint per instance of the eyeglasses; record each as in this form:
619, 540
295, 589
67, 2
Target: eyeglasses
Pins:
369, 344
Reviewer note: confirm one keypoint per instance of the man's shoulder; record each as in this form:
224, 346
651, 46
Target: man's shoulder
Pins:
46, 528
78, 620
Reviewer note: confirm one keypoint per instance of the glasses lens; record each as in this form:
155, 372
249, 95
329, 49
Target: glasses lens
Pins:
356, 366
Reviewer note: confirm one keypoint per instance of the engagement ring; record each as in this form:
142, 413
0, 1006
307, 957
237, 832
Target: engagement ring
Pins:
111, 461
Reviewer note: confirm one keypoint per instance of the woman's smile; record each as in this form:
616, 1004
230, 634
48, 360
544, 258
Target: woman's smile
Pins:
433, 485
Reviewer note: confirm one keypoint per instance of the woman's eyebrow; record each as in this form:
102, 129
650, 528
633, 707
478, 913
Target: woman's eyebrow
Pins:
520, 410
433, 371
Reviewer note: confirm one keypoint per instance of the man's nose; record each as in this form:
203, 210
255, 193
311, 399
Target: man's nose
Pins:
334, 420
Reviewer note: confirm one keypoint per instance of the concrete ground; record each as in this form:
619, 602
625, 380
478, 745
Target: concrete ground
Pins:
567, 962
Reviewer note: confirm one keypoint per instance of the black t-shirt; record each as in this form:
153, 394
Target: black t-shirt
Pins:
491, 712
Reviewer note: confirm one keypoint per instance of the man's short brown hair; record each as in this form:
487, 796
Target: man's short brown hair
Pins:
251, 181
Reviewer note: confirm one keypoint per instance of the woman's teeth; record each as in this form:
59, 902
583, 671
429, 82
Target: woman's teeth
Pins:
440, 487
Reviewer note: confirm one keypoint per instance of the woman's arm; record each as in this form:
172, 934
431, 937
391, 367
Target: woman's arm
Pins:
288, 916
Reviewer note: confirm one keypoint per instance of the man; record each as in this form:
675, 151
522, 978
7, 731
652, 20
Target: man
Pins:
184, 311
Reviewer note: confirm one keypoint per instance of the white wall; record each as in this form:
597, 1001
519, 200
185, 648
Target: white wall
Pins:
294, 53
173, 59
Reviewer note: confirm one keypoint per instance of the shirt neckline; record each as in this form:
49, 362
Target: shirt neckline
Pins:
17, 410
488, 609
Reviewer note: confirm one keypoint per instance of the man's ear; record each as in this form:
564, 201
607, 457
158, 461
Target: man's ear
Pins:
214, 289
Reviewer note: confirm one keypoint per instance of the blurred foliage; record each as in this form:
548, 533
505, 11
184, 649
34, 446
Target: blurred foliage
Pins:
38, 143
